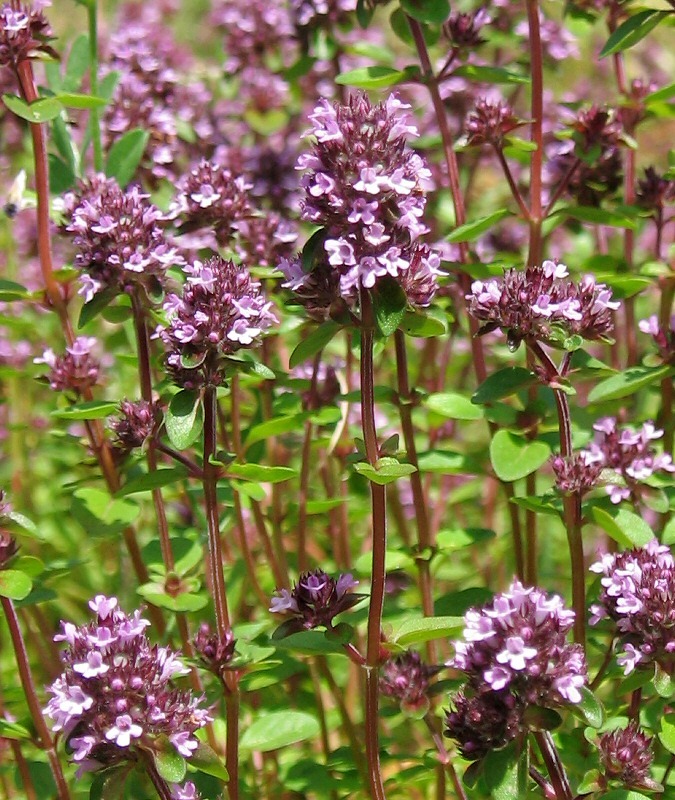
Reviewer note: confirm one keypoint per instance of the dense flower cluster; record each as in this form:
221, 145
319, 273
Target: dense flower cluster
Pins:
406, 678
215, 652
577, 474
515, 655
590, 161
366, 189
136, 423
115, 696
210, 195
327, 12
638, 594
655, 191
542, 303
464, 30
315, 600
75, 371
221, 310
629, 453
154, 91
489, 122
119, 238
24, 34
626, 755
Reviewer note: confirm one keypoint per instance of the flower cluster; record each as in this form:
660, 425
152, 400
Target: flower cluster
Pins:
663, 338
222, 309
515, 655
315, 600
216, 652
626, 755
490, 122
119, 238
136, 423
115, 696
366, 189
577, 474
24, 34
542, 303
590, 161
638, 594
210, 195
464, 30
655, 191
629, 453
327, 12
406, 678
75, 371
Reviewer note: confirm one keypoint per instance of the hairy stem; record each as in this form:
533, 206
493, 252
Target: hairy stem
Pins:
536, 131
554, 767
94, 117
379, 545
26, 678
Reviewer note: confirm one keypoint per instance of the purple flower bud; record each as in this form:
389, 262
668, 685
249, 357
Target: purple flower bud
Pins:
214, 651
137, 422
77, 370
626, 756
25, 34
406, 678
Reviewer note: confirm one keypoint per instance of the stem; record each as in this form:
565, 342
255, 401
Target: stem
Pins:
560, 188
37, 130
425, 537
444, 757
571, 503
303, 565
379, 545
94, 120
145, 378
556, 771
158, 782
667, 388
26, 678
232, 734
515, 191
536, 132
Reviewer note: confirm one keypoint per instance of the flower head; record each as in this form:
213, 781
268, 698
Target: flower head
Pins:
577, 474
315, 600
136, 423
115, 695
638, 594
464, 30
216, 652
25, 34
119, 239
221, 310
406, 678
543, 303
489, 122
626, 755
366, 188
75, 371
483, 722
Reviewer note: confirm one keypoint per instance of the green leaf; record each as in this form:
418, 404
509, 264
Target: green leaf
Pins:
152, 480
472, 230
14, 584
9, 291
506, 773
513, 457
270, 731
170, 764
37, 112
92, 409
183, 602
184, 419
74, 100
667, 732
78, 64
307, 643
93, 506
632, 30
445, 462
589, 709
661, 95
623, 526
389, 304
12, 730
261, 473
375, 77
109, 784
476, 72
424, 325
453, 406
663, 683
393, 559
125, 156
451, 539
313, 343
93, 308
207, 761
61, 175
386, 470
598, 216
415, 631
430, 11
627, 382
